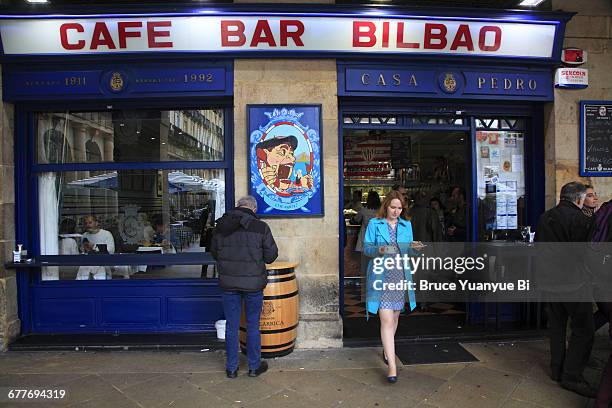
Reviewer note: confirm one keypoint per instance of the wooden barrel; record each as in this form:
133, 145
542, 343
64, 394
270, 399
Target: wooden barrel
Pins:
279, 315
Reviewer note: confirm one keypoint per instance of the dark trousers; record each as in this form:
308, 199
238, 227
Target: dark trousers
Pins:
604, 397
570, 363
232, 305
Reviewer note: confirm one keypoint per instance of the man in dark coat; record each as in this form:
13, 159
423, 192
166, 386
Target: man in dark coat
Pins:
242, 245
567, 223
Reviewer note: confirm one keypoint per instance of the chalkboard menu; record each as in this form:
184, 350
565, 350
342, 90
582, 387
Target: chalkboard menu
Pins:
596, 138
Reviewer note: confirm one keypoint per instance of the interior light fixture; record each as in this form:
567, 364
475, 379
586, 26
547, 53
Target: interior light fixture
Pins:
530, 3
37, 1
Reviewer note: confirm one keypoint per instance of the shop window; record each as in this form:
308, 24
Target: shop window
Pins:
500, 162
128, 211
132, 136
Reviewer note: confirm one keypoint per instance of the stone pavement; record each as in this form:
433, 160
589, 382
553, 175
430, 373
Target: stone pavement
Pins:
509, 375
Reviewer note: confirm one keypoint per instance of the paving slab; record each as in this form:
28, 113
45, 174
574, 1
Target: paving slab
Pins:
509, 375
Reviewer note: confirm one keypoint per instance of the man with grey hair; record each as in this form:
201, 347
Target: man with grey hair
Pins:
242, 245
567, 223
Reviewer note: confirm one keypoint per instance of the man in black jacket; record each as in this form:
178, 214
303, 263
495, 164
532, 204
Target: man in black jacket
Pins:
567, 223
242, 245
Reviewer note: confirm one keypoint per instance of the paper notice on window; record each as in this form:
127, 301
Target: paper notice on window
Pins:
511, 210
501, 214
517, 162
494, 155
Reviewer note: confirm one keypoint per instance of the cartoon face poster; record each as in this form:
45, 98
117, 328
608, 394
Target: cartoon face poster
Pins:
285, 159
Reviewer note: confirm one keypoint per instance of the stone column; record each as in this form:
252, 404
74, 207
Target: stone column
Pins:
9, 320
313, 242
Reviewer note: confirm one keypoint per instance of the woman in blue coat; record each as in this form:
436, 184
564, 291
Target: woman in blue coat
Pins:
387, 239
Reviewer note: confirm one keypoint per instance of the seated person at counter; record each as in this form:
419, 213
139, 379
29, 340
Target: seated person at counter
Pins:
67, 242
95, 240
163, 235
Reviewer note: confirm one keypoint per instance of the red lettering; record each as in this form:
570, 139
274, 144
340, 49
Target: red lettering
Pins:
369, 34
101, 37
152, 34
440, 36
463, 38
122, 27
400, 38
496, 41
294, 35
232, 28
263, 34
385, 35
80, 44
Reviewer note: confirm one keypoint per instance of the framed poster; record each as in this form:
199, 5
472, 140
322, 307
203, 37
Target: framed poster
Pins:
285, 168
596, 138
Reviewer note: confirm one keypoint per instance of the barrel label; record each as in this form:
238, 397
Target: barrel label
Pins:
267, 310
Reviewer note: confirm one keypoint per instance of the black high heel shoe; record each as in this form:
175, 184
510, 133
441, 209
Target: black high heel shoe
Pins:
392, 379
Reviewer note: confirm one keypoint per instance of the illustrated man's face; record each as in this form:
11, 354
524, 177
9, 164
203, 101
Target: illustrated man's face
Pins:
281, 154
602, 111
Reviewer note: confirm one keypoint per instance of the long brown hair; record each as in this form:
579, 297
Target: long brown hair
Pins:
392, 195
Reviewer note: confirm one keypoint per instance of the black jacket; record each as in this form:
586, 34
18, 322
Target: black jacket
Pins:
561, 267
242, 245
564, 223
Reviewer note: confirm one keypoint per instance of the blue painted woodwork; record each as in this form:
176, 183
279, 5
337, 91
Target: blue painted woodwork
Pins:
117, 81
444, 82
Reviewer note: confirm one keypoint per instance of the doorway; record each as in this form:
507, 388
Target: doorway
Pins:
432, 169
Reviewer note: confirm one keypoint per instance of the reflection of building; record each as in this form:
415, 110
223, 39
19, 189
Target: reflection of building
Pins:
198, 131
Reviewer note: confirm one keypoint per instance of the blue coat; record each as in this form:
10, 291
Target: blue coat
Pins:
377, 235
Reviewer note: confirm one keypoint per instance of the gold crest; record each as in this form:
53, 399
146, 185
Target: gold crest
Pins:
116, 82
450, 83
268, 309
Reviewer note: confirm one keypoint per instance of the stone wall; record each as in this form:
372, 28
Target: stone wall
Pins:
591, 30
312, 242
9, 321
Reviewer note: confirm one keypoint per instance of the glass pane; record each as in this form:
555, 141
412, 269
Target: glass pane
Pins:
130, 136
128, 211
501, 184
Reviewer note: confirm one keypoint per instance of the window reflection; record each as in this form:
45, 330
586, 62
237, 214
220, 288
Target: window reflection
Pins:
128, 211
130, 136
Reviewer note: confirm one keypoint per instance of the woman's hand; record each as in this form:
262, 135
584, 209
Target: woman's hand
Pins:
381, 250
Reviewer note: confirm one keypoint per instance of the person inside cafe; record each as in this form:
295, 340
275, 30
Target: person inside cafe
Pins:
67, 242
162, 235
95, 240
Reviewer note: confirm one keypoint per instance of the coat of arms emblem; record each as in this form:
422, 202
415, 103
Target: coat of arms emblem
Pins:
116, 82
267, 309
450, 83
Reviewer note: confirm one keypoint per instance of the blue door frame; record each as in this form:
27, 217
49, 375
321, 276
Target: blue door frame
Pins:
119, 306
534, 147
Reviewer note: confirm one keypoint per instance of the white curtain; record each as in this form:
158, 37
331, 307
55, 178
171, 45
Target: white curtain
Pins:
48, 214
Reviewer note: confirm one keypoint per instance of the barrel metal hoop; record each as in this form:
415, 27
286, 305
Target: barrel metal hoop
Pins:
278, 297
276, 280
273, 331
273, 272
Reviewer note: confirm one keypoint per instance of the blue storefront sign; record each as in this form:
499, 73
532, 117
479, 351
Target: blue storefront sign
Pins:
452, 82
128, 81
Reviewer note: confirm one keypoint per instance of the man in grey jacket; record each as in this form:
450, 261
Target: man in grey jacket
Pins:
242, 245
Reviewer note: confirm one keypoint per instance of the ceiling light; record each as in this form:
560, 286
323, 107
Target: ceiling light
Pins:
37, 1
530, 3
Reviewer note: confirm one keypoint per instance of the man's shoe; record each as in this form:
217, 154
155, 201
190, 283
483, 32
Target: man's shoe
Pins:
579, 386
263, 367
231, 374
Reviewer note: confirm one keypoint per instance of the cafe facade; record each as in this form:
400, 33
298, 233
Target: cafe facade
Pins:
153, 123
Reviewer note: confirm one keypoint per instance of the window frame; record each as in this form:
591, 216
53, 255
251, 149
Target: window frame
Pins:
26, 153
